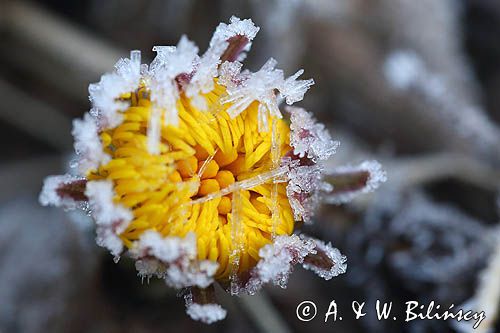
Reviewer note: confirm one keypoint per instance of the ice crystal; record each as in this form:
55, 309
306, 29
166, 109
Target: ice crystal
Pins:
329, 262
303, 190
173, 259
375, 176
245, 87
53, 192
87, 144
207, 313
202, 81
105, 94
111, 219
309, 138
236, 27
277, 261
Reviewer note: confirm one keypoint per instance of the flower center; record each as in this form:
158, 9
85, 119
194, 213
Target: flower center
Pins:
211, 177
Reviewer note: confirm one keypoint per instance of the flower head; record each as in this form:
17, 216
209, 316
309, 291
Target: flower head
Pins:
189, 167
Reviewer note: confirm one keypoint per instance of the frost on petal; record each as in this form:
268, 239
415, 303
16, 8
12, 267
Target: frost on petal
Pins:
173, 259
169, 63
239, 33
111, 219
202, 80
201, 306
259, 86
105, 94
349, 181
303, 190
63, 191
191, 273
228, 73
206, 313
293, 90
309, 138
88, 145
277, 261
327, 262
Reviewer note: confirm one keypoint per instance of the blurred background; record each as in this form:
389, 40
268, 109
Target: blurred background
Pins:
413, 84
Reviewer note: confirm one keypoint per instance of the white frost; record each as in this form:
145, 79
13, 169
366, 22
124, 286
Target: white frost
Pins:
50, 197
277, 261
105, 93
309, 138
338, 260
202, 81
111, 219
173, 259
376, 177
88, 145
206, 313
166, 66
236, 27
246, 87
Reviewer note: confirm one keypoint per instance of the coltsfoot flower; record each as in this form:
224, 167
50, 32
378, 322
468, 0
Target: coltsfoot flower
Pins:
188, 166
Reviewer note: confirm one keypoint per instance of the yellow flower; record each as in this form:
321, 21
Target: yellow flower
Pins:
187, 166
205, 154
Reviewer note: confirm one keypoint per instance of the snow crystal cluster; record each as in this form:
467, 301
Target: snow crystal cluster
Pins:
245, 87
308, 137
336, 262
87, 144
51, 196
173, 259
375, 176
111, 219
279, 258
207, 313
105, 95
311, 144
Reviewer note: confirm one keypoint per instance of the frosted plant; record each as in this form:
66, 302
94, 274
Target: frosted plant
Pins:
406, 71
188, 167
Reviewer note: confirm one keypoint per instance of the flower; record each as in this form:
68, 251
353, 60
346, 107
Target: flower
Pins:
189, 167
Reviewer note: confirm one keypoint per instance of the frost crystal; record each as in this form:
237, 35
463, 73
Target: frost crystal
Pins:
293, 90
309, 138
376, 176
173, 259
203, 78
165, 67
245, 88
111, 219
105, 94
206, 313
328, 262
277, 261
87, 144
303, 189
52, 195
236, 27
